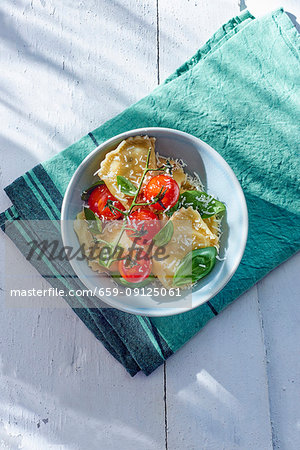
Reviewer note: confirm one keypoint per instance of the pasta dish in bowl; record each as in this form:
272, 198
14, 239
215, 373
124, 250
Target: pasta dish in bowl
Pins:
161, 221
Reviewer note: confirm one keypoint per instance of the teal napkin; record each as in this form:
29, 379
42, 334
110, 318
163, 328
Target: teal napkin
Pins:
240, 94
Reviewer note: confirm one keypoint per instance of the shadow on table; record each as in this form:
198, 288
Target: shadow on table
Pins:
60, 78
61, 387
294, 20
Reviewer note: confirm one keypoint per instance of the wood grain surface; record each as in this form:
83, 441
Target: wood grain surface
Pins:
66, 67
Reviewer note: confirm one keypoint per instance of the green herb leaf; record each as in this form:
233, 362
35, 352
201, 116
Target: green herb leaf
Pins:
202, 202
89, 214
126, 186
87, 192
164, 235
138, 233
111, 205
195, 265
94, 223
106, 259
120, 280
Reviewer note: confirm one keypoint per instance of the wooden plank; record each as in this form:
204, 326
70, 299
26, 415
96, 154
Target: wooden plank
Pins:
66, 68
278, 296
186, 25
217, 393
258, 8
62, 388
279, 305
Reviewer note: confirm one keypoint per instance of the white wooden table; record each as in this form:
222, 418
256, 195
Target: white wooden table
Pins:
66, 67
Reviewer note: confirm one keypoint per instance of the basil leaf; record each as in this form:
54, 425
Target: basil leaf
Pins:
89, 214
106, 260
202, 202
94, 223
120, 280
126, 186
195, 265
164, 235
87, 192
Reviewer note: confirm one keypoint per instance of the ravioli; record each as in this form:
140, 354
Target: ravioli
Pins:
213, 224
92, 250
190, 232
192, 183
178, 173
128, 160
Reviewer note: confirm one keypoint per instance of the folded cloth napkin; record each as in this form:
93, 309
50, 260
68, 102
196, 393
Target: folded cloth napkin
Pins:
240, 94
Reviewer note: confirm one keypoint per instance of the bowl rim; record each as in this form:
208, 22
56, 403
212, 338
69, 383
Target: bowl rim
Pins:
160, 312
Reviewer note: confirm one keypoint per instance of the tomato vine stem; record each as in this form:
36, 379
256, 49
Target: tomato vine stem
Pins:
134, 203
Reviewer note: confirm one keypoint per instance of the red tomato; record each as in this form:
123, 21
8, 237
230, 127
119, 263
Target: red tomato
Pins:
136, 268
166, 187
145, 225
98, 199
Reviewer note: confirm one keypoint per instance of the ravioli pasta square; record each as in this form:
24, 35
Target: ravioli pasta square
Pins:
109, 235
128, 160
190, 233
177, 172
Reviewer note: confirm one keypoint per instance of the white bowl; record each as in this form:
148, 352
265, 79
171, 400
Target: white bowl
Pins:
218, 179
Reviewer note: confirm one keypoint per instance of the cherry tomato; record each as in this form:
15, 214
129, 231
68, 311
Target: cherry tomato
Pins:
164, 186
98, 199
135, 268
145, 225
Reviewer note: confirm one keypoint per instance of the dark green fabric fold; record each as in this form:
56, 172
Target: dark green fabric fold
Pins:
240, 94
